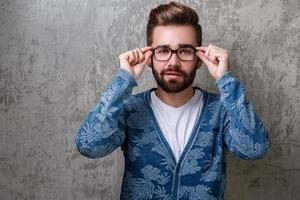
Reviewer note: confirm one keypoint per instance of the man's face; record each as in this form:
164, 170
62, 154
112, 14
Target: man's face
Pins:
174, 75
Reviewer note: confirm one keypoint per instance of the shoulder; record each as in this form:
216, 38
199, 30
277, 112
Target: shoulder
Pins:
212, 101
209, 96
138, 100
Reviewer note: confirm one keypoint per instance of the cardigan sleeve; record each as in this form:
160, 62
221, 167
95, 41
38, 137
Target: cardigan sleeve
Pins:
244, 133
103, 130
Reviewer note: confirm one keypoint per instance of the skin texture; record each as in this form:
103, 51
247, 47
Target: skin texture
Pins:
176, 89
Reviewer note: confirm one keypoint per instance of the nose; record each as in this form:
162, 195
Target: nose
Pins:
174, 60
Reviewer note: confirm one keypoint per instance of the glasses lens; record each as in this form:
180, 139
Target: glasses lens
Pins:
186, 53
162, 53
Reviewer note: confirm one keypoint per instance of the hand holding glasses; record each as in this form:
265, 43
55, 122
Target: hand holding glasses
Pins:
135, 60
215, 58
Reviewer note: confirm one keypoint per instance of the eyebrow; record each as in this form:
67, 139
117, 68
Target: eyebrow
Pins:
179, 45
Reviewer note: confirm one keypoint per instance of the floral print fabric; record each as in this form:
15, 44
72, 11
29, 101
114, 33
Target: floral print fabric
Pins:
226, 123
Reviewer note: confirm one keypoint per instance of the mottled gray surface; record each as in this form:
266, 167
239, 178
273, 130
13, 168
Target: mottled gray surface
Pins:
56, 57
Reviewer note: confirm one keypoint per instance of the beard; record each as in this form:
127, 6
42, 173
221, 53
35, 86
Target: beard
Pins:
174, 85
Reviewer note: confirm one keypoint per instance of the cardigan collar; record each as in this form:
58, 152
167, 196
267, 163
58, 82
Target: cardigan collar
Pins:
195, 131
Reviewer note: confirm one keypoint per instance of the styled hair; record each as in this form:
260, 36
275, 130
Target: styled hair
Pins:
173, 13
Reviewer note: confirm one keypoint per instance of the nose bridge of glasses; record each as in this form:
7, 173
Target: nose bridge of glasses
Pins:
174, 52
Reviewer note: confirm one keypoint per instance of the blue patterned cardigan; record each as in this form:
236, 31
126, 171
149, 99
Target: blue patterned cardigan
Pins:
227, 122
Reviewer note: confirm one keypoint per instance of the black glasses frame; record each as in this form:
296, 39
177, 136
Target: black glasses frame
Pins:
175, 51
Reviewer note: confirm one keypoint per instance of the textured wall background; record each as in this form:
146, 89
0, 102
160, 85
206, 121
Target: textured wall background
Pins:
56, 57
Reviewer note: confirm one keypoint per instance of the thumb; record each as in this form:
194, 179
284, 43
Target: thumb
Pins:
148, 55
139, 69
206, 61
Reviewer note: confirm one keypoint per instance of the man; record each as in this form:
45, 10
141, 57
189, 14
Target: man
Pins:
174, 137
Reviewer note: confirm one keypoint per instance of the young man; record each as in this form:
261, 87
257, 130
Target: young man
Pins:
174, 137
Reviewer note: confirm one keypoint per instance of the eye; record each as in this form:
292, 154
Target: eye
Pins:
162, 51
186, 51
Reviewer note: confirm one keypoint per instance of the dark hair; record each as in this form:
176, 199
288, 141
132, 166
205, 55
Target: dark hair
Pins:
173, 13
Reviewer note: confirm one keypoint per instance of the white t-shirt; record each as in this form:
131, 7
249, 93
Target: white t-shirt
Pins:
177, 123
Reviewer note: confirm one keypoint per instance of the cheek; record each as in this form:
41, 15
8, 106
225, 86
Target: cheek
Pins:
189, 67
158, 66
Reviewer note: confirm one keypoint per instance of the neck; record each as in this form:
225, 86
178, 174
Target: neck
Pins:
175, 99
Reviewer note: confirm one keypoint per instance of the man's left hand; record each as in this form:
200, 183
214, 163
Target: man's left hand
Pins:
215, 58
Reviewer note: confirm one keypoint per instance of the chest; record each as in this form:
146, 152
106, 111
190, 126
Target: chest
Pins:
145, 143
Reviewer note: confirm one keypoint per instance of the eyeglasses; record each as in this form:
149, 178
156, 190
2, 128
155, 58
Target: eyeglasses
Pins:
163, 53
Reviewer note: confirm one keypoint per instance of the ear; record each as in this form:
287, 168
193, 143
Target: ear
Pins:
199, 63
149, 62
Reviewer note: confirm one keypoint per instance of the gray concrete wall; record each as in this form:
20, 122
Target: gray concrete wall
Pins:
56, 57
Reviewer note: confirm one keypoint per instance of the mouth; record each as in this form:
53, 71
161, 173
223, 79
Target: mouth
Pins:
173, 74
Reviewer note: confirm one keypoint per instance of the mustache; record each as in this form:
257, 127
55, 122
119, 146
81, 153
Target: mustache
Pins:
177, 71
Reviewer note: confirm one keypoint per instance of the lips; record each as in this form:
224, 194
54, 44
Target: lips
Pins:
173, 73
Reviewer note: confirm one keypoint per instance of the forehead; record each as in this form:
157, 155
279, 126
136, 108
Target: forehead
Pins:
173, 35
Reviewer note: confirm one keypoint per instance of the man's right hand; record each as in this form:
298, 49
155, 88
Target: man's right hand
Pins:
135, 60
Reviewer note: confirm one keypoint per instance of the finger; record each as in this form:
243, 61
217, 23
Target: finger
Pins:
211, 52
218, 48
148, 55
206, 60
218, 55
144, 49
207, 52
137, 56
131, 57
141, 55
201, 48
214, 56
135, 60
210, 65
